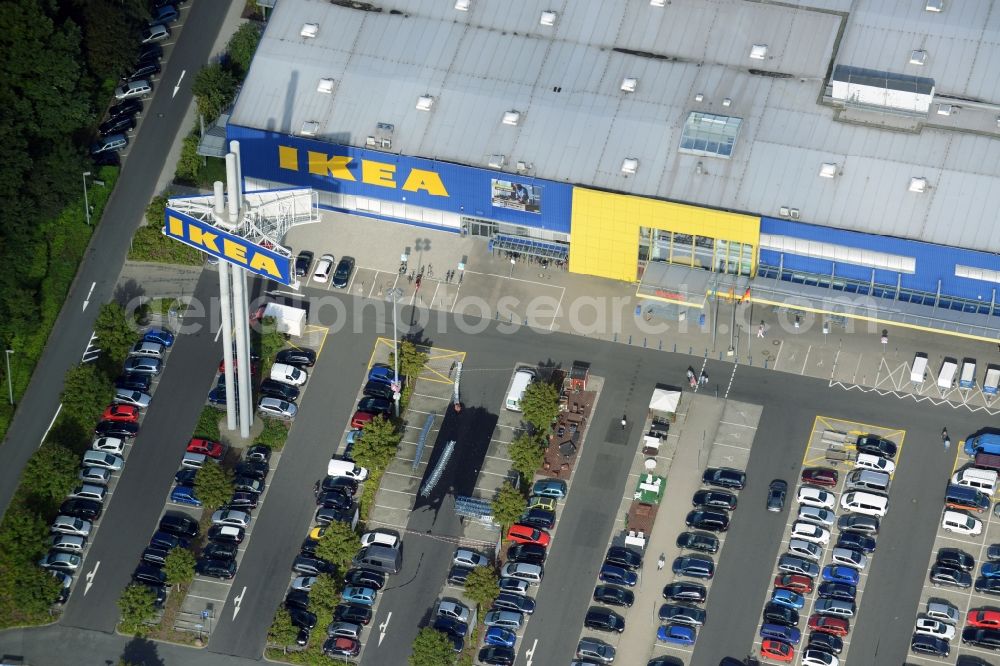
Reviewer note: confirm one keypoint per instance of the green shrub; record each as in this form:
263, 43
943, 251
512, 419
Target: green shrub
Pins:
208, 424
274, 434
149, 244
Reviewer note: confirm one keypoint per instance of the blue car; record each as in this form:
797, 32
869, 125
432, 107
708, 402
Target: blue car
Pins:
382, 373
677, 634
618, 575
355, 594
991, 570
780, 632
160, 335
217, 396
788, 599
184, 495
834, 573
500, 636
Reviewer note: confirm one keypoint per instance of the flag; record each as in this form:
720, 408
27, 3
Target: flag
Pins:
746, 295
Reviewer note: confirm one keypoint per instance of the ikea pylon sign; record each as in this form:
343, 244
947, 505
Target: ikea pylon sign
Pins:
227, 247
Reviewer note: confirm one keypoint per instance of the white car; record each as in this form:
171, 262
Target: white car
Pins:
813, 496
875, 463
470, 558
849, 557
380, 538
819, 658
323, 268
278, 408
961, 523
815, 514
810, 532
71, 525
804, 548
303, 583
936, 628
231, 517
102, 459
454, 609
111, 445
288, 374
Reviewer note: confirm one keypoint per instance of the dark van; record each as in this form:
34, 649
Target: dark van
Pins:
969, 499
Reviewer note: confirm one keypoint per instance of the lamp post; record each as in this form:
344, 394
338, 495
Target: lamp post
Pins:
10, 385
86, 203
394, 294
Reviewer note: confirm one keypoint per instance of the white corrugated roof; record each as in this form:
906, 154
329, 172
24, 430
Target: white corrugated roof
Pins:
577, 125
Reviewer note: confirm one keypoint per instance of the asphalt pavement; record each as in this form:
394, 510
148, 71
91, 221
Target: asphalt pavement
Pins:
98, 273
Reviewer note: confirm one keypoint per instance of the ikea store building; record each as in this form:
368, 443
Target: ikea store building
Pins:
843, 157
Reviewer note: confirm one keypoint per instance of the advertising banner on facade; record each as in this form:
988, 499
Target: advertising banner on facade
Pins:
516, 196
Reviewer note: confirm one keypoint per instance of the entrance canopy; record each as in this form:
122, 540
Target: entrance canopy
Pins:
530, 247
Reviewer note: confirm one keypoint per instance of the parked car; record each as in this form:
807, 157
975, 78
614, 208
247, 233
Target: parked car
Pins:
323, 268
518, 603
682, 614
118, 429
699, 541
119, 125
102, 459
676, 634
154, 33
526, 534
538, 518
856, 540
813, 496
859, 523
496, 655
694, 566
126, 109
277, 408
132, 397
614, 595
297, 356
341, 646
776, 492
179, 524
529, 553
828, 642
352, 613
218, 550
144, 70
303, 262
935, 647
955, 558
929, 627
841, 591
616, 575
820, 476
224, 569
458, 574
685, 591
944, 575
134, 382
60, 561
206, 447
353, 594
833, 573
184, 495
788, 599
141, 365
112, 445
342, 275
604, 619
714, 499
794, 582
775, 650
875, 445
233, 517
712, 521
984, 618
595, 649
550, 488
623, 556
724, 477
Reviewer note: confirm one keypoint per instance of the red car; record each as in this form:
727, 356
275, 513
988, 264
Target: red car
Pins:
121, 413
776, 650
206, 446
837, 626
821, 476
525, 534
985, 619
360, 419
253, 366
794, 582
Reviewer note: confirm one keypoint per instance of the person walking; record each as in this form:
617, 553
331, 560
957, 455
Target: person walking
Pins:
760, 330
661, 562
624, 422
946, 438
703, 378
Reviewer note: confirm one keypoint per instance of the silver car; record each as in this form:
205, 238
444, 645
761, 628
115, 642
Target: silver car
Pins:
90, 491
102, 459
61, 561
68, 543
71, 525
277, 408
343, 630
112, 445
95, 475
596, 650
134, 398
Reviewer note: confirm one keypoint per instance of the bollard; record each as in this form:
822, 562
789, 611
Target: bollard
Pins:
706, 352
675, 347
615, 338
765, 364
630, 339
644, 343
661, 345
690, 351
720, 356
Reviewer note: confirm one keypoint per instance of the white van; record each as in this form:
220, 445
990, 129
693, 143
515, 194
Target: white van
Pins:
984, 480
866, 479
868, 504
522, 378
961, 523
337, 467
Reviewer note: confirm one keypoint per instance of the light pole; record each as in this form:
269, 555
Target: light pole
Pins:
10, 385
86, 203
394, 294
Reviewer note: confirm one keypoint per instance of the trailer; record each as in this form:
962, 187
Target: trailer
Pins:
838, 453
991, 381
946, 378
289, 320
967, 379
919, 370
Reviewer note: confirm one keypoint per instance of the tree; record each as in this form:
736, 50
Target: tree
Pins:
432, 648
482, 586
189, 162
324, 595
215, 88
377, 444
540, 405
213, 485
51, 472
282, 631
508, 505
338, 545
241, 48
86, 392
411, 360
179, 566
138, 606
109, 28
526, 454
115, 334
23, 533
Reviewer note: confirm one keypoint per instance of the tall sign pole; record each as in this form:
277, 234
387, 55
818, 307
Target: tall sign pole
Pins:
226, 314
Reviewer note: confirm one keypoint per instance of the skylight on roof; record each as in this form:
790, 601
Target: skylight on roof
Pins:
710, 135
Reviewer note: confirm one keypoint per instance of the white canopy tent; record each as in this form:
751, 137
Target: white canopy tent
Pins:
664, 400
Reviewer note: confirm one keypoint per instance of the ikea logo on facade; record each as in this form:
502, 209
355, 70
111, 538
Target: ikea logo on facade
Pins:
372, 172
227, 247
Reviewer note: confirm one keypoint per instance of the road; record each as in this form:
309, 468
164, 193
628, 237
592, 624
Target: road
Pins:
98, 273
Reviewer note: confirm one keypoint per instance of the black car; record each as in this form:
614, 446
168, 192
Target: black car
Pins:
150, 52
126, 109
179, 524
374, 405
342, 275
303, 358
303, 263
875, 445
841, 591
713, 521
378, 390
133, 382
856, 540
603, 619
297, 599
311, 566
932, 645
365, 578
251, 469
984, 638
496, 655
258, 453
302, 618
334, 499
714, 499
942, 575
777, 614
724, 477
530, 553
224, 569
623, 556
119, 429
987, 585
694, 566
614, 595
956, 558
993, 552
185, 477
458, 575
518, 603
217, 550
167, 541
353, 613
87, 509
685, 591
826, 642
149, 574
453, 629
538, 518
682, 614
245, 484
342, 484
145, 69
118, 125
308, 547
272, 389
155, 556
159, 593
700, 541
776, 495
226, 533
858, 523
328, 514
243, 501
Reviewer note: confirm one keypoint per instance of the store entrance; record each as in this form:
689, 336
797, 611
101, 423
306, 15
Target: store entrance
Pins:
473, 226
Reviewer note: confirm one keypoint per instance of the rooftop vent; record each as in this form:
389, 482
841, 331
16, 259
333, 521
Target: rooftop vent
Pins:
657, 3
309, 128
309, 30
628, 84
462, 5
524, 166
793, 213
370, 142
918, 57
511, 117
918, 185
629, 166
934, 6
947, 110
727, 102
325, 86
783, 211
828, 170
496, 161
699, 97
548, 18
758, 51
385, 144
425, 102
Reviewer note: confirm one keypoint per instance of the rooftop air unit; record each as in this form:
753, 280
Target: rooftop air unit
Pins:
309, 30
629, 166
511, 117
918, 185
828, 170
425, 102
309, 128
370, 142
918, 57
657, 3
462, 5
496, 161
548, 18
934, 6
628, 84
325, 86
758, 51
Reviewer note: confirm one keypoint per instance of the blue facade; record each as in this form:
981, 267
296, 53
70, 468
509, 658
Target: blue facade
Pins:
933, 262
445, 186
